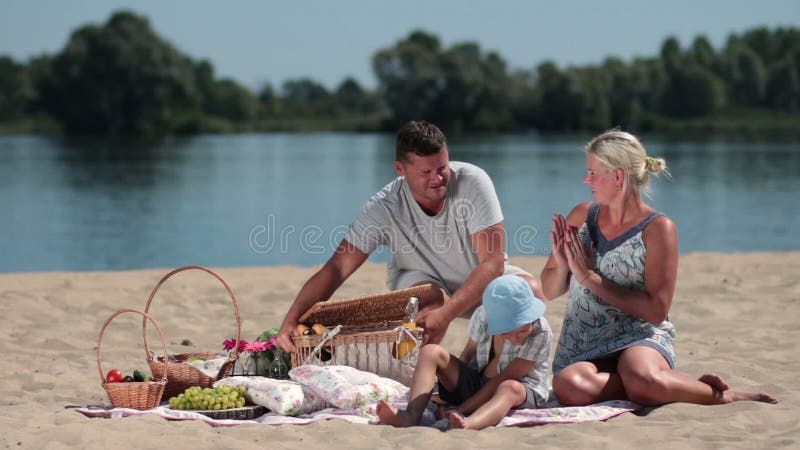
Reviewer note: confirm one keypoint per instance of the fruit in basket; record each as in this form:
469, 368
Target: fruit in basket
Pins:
319, 328
128, 379
222, 397
114, 376
138, 375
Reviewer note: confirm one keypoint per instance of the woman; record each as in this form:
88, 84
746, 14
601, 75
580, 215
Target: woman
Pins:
618, 258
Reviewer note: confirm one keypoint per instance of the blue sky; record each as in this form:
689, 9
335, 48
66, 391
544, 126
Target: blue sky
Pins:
259, 41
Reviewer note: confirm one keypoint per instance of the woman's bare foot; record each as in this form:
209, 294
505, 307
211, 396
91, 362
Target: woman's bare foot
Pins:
724, 395
736, 396
457, 420
391, 416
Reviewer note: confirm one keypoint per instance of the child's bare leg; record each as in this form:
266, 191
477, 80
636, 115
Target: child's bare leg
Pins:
457, 420
509, 394
391, 416
434, 360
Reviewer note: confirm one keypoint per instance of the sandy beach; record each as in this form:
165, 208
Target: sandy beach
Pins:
736, 315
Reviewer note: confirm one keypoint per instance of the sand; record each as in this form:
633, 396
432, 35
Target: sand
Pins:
736, 315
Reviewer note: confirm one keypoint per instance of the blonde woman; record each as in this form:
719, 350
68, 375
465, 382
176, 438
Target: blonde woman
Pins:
618, 259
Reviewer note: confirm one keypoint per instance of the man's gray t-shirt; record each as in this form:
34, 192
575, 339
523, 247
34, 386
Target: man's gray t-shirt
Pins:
438, 245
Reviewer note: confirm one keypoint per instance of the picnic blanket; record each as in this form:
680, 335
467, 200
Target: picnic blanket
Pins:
366, 415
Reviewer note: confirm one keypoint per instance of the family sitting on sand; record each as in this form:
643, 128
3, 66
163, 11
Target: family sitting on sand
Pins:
615, 256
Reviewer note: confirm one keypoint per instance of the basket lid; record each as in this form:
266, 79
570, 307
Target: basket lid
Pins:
373, 308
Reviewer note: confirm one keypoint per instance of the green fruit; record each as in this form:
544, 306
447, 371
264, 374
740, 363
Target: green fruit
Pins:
138, 375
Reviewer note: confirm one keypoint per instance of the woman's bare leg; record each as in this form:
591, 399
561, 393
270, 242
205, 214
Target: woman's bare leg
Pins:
434, 362
648, 380
509, 394
582, 384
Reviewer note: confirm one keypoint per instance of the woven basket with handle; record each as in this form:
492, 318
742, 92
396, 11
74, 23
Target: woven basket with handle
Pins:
369, 334
140, 395
180, 374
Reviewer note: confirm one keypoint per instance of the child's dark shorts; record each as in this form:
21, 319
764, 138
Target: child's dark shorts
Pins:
470, 381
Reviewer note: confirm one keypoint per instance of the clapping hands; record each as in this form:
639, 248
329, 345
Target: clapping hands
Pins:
568, 250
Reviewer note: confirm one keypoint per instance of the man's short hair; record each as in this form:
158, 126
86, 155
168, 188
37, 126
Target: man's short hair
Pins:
419, 137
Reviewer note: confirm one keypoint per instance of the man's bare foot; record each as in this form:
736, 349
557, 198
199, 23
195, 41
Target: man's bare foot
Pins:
457, 420
724, 395
391, 416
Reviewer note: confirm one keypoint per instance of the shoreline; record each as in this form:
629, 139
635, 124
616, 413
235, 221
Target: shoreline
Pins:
317, 266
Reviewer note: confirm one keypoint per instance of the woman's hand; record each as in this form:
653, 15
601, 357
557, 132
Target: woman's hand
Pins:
581, 262
558, 240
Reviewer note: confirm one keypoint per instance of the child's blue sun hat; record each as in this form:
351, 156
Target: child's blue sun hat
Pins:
509, 303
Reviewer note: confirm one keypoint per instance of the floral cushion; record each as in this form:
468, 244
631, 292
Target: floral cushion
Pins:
348, 388
282, 396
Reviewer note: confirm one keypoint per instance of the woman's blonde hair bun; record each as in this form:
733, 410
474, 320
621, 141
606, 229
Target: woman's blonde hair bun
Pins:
655, 165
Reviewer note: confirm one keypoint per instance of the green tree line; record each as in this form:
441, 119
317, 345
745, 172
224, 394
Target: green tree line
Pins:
123, 78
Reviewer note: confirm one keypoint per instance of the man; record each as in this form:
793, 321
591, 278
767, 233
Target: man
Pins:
444, 225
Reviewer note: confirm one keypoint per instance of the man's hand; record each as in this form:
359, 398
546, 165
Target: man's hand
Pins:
285, 337
345, 260
435, 323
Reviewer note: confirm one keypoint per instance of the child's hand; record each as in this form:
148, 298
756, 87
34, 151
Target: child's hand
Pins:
441, 407
437, 400
444, 411
441, 412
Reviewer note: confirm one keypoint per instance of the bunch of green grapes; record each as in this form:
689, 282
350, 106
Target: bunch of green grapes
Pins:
222, 397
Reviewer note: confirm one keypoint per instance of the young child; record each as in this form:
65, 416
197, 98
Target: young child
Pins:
510, 340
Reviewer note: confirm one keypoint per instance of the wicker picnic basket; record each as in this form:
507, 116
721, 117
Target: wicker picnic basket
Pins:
364, 332
181, 375
132, 394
